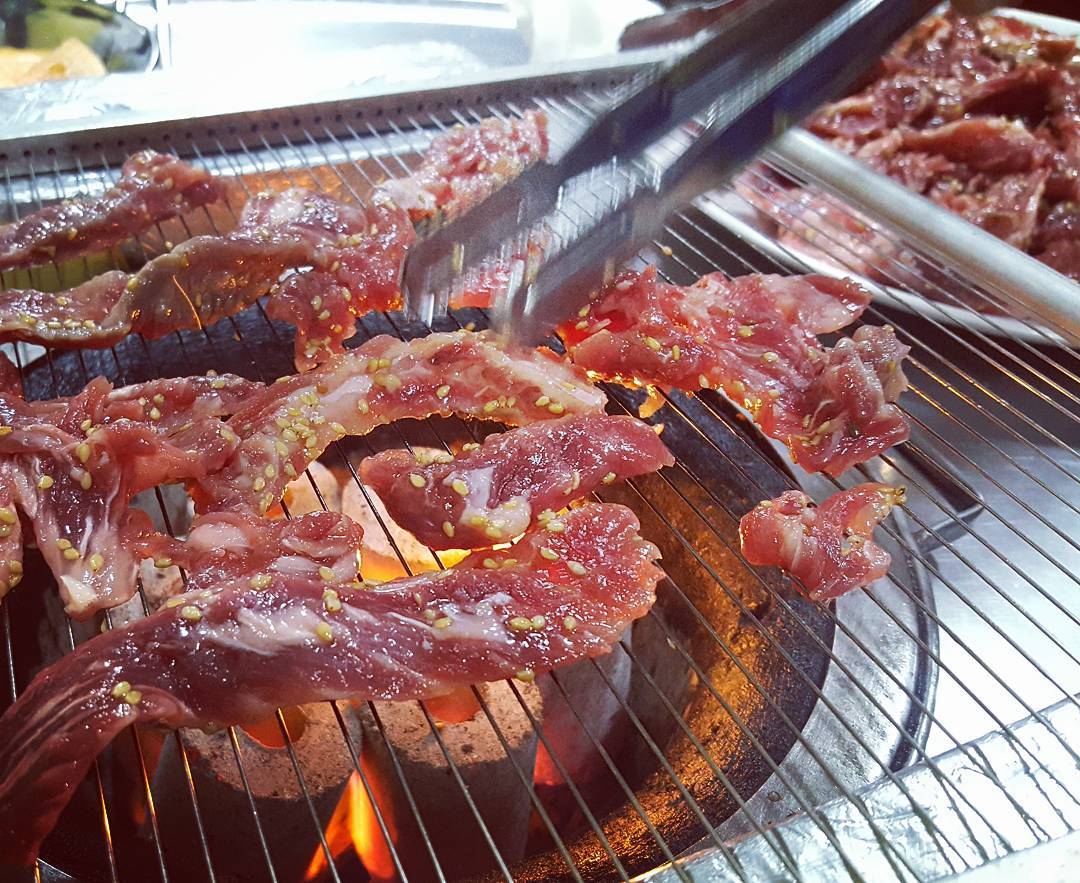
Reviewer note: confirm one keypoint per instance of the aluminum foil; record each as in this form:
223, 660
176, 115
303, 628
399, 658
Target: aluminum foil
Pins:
1011, 790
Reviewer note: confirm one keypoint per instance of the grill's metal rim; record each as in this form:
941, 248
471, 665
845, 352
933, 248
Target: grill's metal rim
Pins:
459, 118
874, 311
897, 760
750, 267
732, 218
51, 360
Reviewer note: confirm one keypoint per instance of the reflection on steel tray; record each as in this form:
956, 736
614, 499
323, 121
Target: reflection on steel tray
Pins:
119, 42
731, 210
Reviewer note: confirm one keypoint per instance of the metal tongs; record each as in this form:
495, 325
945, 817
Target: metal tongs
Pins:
706, 113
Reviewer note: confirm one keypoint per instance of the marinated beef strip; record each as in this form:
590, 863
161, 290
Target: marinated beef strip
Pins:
829, 548
10, 377
349, 257
989, 170
962, 46
208, 277
323, 312
754, 338
982, 116
171, 402
152, 187
231, 653
287, 425
467, 163
225, 546
71, 467
354, 271
513, 480
809, 304
458, 170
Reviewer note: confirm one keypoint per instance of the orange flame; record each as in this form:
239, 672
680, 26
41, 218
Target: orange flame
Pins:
353, 825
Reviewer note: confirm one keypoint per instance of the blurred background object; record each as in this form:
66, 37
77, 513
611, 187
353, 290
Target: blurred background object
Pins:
71, 59
210, 56
679, 20
340, 41
65, 39
349, 38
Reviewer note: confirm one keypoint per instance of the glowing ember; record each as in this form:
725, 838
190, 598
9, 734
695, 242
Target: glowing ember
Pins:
339, 492
461, 705
268, 733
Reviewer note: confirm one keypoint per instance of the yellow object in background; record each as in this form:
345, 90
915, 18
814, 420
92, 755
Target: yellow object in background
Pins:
68, 61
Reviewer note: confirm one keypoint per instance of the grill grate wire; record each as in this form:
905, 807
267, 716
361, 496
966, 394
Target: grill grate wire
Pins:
678, 784
908, 477
464, 121
751, 267
382, 148
675, 780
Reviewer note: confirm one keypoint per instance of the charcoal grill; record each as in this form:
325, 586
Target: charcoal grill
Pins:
916, 729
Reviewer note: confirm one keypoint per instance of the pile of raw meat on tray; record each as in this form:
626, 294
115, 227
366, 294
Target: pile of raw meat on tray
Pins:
979, 115
271, 611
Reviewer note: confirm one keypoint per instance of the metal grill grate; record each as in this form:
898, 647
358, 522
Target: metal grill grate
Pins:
976, 627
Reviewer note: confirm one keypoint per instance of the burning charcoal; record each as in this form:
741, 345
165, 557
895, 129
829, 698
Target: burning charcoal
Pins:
158, 585
597, 702
485, 767
284, 815
301, 497
573, 746
170, 515
379, 560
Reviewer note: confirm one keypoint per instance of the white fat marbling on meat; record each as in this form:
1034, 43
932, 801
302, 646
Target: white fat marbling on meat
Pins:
362, 616
80, 593
266, 633
391, 666
294, 564
511, 519
484, 621
345, 393
218, 536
